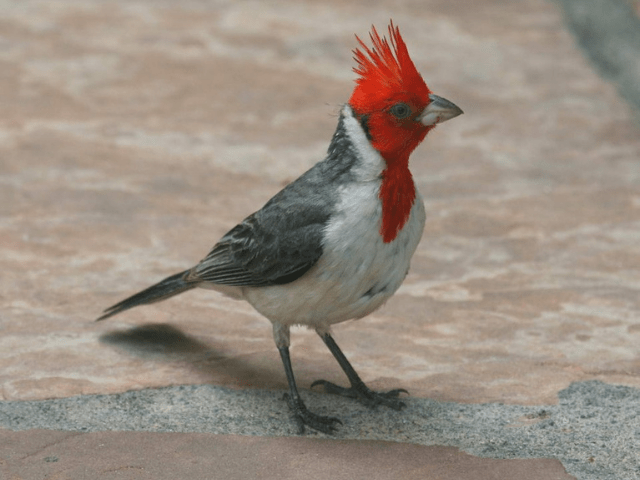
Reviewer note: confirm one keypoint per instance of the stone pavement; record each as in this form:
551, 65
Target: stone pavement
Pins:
134, 134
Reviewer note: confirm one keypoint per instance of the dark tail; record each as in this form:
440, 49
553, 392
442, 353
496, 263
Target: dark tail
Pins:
168, 287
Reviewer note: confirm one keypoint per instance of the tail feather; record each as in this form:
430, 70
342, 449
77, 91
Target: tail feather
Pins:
168, 287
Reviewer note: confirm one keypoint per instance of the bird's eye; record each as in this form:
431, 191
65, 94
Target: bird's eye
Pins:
400, 110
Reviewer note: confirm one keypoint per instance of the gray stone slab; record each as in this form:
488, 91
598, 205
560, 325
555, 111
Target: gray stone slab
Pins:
609, 33
594, 430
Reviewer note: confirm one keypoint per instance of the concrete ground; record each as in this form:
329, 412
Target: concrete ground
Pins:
133, 134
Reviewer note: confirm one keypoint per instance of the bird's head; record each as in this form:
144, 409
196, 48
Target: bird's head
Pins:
391, 100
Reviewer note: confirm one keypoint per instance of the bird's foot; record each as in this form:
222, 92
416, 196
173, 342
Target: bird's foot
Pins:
304, 417
365, 395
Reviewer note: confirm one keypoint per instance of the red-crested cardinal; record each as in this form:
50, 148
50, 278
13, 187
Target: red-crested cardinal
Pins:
336, 243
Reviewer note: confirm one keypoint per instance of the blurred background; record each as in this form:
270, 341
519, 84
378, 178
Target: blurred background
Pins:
133, 134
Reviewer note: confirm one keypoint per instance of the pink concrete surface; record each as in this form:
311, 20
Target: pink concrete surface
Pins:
117, 455
134, 134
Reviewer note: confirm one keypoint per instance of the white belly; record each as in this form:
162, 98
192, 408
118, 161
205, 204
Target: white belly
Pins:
357, 272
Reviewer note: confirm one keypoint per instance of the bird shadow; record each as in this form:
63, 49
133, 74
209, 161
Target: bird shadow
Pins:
154, 340
164, 342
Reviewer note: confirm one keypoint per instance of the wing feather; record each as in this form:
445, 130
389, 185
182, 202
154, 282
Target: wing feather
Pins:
275, 245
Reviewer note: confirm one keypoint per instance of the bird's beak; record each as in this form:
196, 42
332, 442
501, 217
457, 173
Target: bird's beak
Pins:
439, 110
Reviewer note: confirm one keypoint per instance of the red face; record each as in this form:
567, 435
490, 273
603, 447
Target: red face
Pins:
390, 96
396, 129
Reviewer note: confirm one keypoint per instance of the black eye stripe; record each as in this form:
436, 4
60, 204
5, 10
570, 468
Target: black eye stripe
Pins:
364, 123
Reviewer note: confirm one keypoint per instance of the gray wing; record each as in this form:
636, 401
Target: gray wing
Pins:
273, 246
283, 240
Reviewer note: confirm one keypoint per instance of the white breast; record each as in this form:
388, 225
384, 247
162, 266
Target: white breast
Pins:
356, 274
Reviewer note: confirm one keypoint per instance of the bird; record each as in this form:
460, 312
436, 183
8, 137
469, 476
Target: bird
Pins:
336, 243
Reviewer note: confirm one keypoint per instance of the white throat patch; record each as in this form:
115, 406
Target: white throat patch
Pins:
371, 164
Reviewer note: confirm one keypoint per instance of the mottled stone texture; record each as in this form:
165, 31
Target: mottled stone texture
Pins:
133, 134
65, 455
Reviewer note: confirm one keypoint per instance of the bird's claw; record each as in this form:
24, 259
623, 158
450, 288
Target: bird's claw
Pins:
305, 418
365, 395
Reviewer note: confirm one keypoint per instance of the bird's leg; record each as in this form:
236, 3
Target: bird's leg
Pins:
298, 408
358, 389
